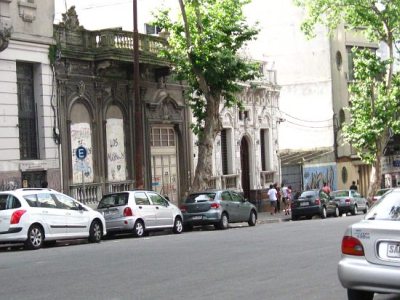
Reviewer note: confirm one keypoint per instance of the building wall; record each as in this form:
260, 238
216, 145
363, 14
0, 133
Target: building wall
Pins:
31, 34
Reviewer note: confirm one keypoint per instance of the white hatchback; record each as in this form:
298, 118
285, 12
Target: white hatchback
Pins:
35, 215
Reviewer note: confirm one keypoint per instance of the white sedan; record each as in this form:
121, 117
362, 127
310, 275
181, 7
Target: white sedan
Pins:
34, 216
371, 251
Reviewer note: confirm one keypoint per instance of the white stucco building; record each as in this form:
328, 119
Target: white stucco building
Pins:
28, 131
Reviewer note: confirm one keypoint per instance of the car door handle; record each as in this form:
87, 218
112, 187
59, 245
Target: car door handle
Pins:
45, 211
140, 207
157, 207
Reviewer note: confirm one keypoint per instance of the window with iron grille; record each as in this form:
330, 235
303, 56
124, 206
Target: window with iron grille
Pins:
27, 116
162, 137
224, 151
263, 144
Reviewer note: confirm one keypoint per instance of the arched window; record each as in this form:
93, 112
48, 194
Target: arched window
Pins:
116, 155
81, 135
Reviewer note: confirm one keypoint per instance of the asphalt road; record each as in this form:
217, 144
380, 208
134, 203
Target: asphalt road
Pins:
288, 260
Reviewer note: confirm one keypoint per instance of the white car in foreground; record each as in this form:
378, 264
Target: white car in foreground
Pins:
371, 251
35, 215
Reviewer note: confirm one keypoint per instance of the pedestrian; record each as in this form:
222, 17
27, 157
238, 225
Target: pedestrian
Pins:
284, 192
288, 200
326, 189
45, 184
272, 198
353, 186
278, 198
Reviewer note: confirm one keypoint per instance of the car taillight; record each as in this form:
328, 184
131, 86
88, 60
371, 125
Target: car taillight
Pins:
128, 212
183, 208
347, 200
16, 216
317, 201
352, 246
215, 205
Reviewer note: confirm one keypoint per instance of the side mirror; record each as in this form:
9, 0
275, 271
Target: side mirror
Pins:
166, 197
80, 207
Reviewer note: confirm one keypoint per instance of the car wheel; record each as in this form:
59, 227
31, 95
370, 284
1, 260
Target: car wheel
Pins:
223, 223
35, 237
354, 211
359, 295
252, 219
95, 232
366, 208
294, 218
337, 212
323, 213
138, 229
178, 226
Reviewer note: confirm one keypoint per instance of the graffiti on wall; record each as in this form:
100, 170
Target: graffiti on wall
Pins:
10, 184
314, 177
81, 135
116, 150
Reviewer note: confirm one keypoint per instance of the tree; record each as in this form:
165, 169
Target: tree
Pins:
203, 46
375, 92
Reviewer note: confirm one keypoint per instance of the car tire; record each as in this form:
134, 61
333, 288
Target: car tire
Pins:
178, 225
366, 208
252, 219
138, 229
354, 211
323, 213
337, 212
223, 222
295, 218
95, 232
359, 295
35, 238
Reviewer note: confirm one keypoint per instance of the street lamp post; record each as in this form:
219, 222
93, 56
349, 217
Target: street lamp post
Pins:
139, 145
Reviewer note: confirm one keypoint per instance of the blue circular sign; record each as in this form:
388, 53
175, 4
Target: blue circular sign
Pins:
81, 152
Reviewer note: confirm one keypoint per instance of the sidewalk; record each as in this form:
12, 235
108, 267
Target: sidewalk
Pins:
266, 217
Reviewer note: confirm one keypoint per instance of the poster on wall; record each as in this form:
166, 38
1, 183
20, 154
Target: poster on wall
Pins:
81, 135
116, 163
315, 176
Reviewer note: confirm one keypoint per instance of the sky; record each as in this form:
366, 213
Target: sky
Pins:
100, 14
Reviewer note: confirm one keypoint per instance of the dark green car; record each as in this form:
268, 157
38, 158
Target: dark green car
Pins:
218, 208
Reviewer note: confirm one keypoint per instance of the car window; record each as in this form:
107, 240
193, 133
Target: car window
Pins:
8, 202
203, 197
381, 192
323, 195
237, 197
357, 195
340, 194
113, 200
226, 196
141, 199
65, 202
46, 200
31, 200
157, 199
386, 208
307, 195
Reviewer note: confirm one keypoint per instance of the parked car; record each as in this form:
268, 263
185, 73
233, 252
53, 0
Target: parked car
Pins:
350, 201
380, 193
218, 208
314, 202
37, 215
371, 251
139, 212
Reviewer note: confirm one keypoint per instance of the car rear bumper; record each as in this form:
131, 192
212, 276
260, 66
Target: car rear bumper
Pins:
357, 273
306, 211
122, 224
13, 234
201, 218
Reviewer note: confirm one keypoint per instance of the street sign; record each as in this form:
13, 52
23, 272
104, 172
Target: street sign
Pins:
81, 152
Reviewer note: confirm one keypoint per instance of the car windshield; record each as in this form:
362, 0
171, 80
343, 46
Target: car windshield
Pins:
307, 195
202, 197
386, 208
113, 200
381, 192
340, 194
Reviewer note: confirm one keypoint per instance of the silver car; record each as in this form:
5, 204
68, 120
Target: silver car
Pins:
371, 251
139, 212
350, 201
218, 208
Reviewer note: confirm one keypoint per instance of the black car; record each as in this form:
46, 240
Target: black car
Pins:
314, 202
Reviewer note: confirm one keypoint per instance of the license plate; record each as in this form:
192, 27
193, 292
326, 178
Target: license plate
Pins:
303, 203
393, 250
197, 217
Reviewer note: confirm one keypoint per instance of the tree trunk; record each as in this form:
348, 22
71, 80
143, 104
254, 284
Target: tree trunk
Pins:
206, 140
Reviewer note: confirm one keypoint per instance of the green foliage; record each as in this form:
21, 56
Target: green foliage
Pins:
217, 32
374, 105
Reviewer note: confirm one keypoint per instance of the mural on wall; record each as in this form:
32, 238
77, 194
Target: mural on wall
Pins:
315, 176
116, 150
81, 135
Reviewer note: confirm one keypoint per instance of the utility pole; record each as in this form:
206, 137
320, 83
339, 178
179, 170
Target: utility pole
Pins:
139, 145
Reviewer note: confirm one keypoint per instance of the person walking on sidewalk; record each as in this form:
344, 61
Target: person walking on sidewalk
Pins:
272, 196
284, 190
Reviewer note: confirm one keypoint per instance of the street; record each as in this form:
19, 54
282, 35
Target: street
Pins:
286, 260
